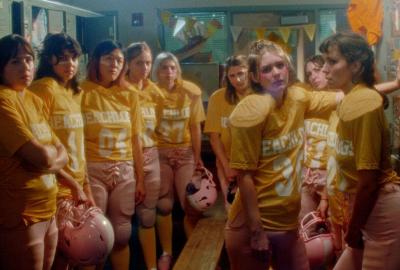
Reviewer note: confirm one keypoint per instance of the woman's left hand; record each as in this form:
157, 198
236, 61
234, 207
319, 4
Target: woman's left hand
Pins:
198, 163
140, 193
78, 195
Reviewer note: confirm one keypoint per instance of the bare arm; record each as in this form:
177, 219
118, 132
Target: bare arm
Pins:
258, 240
389, 87
323, 204
195, 132
47, 158
138, 157
67, 180
220, 153
367, 193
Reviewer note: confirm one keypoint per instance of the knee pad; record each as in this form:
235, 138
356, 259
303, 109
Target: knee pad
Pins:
146, 216
165, 205
122, 234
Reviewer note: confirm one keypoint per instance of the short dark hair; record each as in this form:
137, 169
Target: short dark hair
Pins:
9, 46
55, 45
354, 48
103, 48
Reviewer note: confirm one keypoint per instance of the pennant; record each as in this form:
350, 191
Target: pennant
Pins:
310, 31
180, 23
285, 33
236, 31
165, 16
260, 33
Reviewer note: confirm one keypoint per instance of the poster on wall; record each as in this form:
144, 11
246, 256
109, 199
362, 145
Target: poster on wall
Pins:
39, 27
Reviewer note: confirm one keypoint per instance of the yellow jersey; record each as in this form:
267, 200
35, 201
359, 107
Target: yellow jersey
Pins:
269, 141
181, 107
148, 97
112, 117
218, 111
63, 111
363, 138
24, 195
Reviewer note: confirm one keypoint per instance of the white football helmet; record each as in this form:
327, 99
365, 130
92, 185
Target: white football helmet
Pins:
86, 236
201, 191
318, 239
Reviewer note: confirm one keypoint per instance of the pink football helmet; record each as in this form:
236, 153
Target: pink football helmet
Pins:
201, 191
318, 239
86, 236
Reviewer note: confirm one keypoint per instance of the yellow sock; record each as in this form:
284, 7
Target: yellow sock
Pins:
188, 226
120, 258
164, 229
147, 238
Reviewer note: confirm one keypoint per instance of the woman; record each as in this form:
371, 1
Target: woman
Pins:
362, 155
178, 135
267, 142
113, 147
56, 83
30, 155
220, 105
139, 59
313, 196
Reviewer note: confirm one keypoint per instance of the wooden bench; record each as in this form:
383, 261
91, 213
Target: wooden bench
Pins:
203, 249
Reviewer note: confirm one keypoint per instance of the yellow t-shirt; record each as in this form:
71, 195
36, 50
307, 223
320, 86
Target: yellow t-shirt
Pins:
148, 97
218, 111
63, 112
181, 107
269, 141
363, 138
24, 195
112, 118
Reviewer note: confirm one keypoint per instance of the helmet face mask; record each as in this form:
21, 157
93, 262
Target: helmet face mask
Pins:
86, 236
201, 191
317, 238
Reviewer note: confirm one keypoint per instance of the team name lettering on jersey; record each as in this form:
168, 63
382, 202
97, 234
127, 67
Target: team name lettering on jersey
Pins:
176, 113
107, 117
41, 131
148, 112
315, 128
224, 122
342, 147
66, 121
331, 139
283, 143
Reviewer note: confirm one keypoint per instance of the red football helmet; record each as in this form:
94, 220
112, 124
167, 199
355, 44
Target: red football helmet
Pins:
86, 236
201, 191
318, 239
